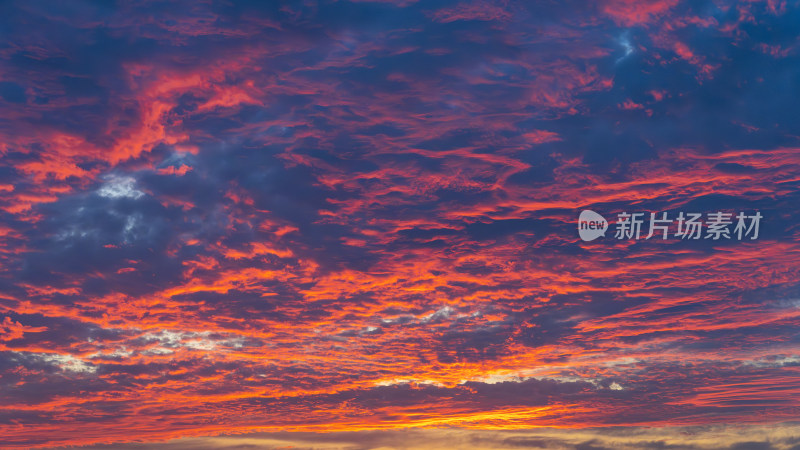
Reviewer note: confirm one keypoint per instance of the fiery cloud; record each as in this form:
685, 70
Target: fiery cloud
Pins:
356, 217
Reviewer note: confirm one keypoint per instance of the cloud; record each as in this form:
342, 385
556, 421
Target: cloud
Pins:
688, 438
359, 218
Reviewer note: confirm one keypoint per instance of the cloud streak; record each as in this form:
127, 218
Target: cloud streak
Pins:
360, 217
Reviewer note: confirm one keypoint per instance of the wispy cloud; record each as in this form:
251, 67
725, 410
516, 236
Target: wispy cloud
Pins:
357, 217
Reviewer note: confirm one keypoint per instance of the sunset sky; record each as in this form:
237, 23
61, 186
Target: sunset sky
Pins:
353, 224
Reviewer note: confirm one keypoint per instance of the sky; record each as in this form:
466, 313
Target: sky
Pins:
353, 224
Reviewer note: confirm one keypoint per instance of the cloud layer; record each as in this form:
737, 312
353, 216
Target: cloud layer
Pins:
361, 215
